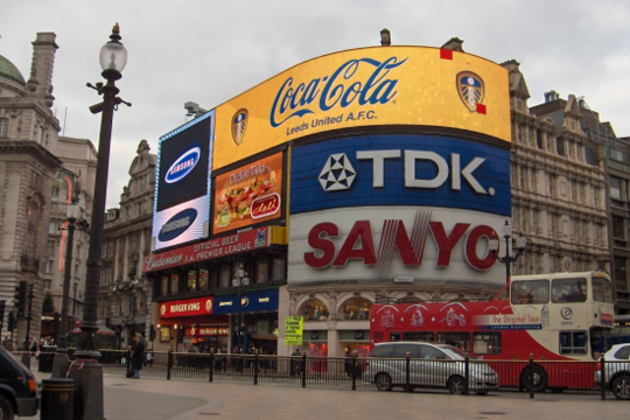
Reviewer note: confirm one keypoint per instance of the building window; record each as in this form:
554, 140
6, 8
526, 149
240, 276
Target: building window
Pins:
617, 227
262, 270
560, 146
51, 247
192, 280
4, 128
616, 155
204, 276
52, 228
279, 271
539, 139
164, 285
615, 188
225, 275
174, 283
49, 266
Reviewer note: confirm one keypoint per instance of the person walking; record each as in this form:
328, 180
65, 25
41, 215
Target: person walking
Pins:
137, 357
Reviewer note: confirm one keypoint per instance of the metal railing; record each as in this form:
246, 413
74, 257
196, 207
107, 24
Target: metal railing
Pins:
409, 374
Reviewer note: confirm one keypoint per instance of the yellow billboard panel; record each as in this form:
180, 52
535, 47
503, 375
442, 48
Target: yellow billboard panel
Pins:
293, 330
366, 87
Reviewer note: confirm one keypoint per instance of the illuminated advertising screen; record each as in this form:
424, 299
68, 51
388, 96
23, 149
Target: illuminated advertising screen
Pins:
400, 169
393, 86
249, 195
182, 184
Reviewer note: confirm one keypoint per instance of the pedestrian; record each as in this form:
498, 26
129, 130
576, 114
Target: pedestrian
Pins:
137, 357
296, 363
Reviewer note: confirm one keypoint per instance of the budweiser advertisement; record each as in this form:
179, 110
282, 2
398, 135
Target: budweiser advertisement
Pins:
208, 250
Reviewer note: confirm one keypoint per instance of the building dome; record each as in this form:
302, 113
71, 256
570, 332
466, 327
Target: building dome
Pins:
9, 71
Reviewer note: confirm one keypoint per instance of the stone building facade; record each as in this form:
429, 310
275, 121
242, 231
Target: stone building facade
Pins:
125, 294
28, 140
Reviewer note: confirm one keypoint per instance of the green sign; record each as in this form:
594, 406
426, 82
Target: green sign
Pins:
293, 331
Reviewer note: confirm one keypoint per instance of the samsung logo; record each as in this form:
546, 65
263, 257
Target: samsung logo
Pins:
177, 225
183, 165
341, 88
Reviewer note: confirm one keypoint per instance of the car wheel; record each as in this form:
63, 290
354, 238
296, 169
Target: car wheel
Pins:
383, 382
456, 385
6, 409
538, 377
621, 387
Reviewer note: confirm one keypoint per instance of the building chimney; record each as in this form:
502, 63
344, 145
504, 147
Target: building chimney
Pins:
40, 81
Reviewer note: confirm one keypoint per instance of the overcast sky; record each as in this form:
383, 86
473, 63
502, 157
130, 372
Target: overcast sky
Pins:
209, 51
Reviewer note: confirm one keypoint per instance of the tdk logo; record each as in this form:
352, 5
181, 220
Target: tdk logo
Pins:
183, 165
339, 174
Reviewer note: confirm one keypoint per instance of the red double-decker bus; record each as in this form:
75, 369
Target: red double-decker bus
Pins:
552, 317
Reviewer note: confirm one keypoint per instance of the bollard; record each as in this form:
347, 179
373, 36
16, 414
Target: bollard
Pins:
530, 380
408, 386
604, 384
467, 375
57, 399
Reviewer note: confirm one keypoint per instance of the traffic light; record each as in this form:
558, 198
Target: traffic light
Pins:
11, 322
20, 299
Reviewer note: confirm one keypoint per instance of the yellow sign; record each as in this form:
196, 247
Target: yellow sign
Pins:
293, 330
379, 86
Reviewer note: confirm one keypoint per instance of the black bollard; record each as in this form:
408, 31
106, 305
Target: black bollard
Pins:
57, 399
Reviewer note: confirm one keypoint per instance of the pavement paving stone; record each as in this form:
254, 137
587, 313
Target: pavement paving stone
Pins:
184, 399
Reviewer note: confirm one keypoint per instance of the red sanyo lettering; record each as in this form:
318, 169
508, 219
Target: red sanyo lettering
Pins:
359, 245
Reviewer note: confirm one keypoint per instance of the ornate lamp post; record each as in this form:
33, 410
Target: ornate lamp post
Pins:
240, 282
60, 362
86, 371
508, 259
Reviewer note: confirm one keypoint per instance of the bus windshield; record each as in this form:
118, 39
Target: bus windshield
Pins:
602, 290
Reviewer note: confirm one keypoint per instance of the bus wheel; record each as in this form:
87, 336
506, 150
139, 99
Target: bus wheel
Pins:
383, 382
621, 387
538, 377
456, 385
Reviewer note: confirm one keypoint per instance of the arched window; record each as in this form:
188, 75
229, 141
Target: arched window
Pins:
355, 309
314, 310
4, 128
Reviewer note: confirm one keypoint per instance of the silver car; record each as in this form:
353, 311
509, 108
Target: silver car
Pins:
431, 365
617, 368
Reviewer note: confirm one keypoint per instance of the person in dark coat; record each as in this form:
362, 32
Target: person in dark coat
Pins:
137, 357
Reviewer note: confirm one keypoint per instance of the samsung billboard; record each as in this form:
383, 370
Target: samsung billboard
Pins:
182, 184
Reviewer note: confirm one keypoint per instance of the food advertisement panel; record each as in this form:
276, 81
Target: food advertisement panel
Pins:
249, 195
367, 87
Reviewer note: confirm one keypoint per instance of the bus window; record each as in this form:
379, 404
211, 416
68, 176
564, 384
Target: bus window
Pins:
457, 339
568, 290
601, 341
418, 336
573, 342
602, 290
530, 291
487, 343
394, 336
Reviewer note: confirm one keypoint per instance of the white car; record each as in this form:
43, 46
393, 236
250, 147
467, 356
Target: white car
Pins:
617, 371
431, 365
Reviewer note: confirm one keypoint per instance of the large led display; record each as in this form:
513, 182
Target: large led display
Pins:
409, 169
182, 184
249, 195
392, 86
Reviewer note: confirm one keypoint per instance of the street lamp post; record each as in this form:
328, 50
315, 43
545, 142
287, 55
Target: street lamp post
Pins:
60, 362
86, 371
240, 282
508, 259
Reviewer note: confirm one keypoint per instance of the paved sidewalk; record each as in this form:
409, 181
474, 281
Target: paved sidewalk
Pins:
159, 399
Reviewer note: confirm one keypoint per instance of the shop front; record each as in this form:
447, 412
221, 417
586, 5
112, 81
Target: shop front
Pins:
259, 323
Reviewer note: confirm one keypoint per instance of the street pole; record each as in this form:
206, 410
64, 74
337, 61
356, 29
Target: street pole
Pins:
87, 372
60, 362
26, 358
493, 245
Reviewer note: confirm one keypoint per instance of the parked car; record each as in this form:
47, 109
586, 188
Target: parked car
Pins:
18, 389
617, 371
431, 365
